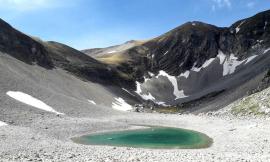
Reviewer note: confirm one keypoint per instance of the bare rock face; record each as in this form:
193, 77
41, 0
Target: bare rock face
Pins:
23, 47
199, 59
178, 50
191, 44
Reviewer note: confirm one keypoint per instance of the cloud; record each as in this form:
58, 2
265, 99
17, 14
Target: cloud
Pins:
28, 5
218, 4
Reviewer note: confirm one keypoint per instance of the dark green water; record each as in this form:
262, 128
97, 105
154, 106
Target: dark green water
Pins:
156, 137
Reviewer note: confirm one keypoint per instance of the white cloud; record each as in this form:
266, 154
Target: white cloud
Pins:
218, 4
28, 5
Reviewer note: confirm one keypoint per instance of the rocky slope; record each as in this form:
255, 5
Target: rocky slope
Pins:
196, 67
197, 60
256, 105
39, 79
50, 92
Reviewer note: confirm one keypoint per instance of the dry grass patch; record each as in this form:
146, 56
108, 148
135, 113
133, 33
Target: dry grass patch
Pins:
114, 59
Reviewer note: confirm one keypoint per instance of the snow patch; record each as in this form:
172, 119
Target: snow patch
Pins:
250, 58
29, 100
112, 52
162, 104
185, 74
2, 124
265, 51
145, 79
237, 29
221, 56
151, 74
139, 92
165, 52
178, 94
193, 24
121, 105
205, 64
127, 91
265, 25
230, 64
208, 62
196, 69
92, 102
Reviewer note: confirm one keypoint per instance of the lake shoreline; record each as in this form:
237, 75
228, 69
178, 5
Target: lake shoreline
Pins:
197, 140
48, 140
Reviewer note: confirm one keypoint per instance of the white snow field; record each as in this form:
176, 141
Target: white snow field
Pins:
121, 105
92, 102
178, 94
29, 100
144, 96
230, 64
2, 124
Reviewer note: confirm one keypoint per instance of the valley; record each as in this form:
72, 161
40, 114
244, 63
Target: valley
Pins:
213, 80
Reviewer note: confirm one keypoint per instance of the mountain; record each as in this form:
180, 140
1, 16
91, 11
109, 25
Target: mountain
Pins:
56, 77
23, 47
99, 52
50, 93
195, 67
113, 55
198, 65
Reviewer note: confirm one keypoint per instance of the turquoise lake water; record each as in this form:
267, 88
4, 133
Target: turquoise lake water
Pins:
155, 137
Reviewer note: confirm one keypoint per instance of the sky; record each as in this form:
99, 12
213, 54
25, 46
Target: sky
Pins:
86, 24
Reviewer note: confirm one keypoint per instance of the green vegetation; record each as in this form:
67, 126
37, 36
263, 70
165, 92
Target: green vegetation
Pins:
252, 105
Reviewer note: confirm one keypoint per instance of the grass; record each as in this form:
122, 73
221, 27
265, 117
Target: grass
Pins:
169, 110
114, 59
248, 106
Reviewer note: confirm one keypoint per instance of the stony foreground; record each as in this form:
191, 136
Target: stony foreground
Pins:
49, 139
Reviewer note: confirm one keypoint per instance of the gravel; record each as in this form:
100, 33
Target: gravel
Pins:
36, 135
49, 140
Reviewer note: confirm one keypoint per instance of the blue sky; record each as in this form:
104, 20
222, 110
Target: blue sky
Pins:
100, 23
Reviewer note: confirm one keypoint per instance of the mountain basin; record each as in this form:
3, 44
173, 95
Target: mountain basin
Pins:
153, 137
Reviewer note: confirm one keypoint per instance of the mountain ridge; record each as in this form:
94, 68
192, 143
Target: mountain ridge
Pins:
187, 63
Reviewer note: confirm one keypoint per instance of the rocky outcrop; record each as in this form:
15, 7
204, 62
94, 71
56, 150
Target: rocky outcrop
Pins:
201, 58
23, 47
